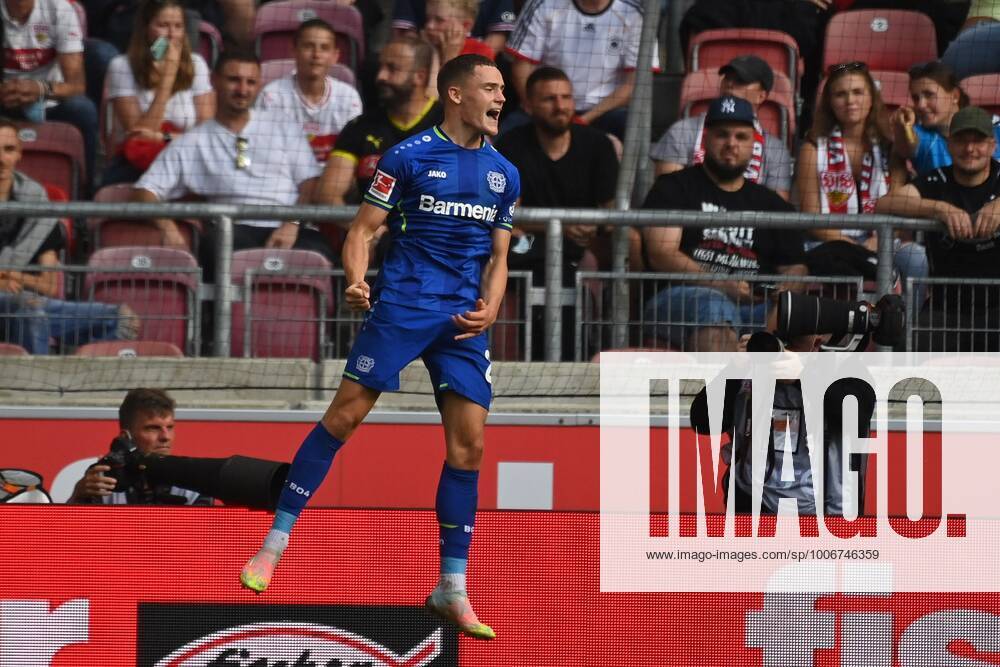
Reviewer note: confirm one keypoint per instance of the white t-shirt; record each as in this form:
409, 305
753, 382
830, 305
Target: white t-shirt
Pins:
202, 161
321, 123
595, 50
180, 111
30, 49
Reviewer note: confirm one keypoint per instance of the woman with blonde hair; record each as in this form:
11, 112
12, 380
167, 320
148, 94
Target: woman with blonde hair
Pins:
158, 88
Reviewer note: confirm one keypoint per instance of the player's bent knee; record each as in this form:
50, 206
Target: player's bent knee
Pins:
349, 408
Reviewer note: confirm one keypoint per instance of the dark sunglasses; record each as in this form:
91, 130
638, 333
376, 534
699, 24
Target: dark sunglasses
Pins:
853, 66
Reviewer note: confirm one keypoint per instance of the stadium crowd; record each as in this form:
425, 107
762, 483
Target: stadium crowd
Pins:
222, 102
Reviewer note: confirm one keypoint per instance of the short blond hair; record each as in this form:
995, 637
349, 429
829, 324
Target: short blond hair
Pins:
469, 8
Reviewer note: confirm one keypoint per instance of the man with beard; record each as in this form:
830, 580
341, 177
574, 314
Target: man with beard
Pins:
242, 156
405, 109
704, 316
963, 196
562, 164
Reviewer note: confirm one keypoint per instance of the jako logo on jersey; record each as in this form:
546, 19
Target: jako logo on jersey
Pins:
365, 363
436, 173
382, 185
458, 209
289, 643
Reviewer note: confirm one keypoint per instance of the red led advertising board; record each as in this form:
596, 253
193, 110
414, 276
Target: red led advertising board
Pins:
116, 586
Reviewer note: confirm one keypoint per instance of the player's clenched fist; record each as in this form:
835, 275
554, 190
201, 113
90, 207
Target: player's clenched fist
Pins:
475, 322
358, 295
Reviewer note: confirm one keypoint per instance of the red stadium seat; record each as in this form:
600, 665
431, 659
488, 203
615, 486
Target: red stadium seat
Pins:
209, 43
285, 298
884, 39
160, 284
277, 21
275, 69
984, 91
114, 232
776, 115
53, 153
126, 349
711, 49
12, 350
505, 334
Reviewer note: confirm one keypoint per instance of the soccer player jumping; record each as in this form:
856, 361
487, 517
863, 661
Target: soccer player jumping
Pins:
448, 198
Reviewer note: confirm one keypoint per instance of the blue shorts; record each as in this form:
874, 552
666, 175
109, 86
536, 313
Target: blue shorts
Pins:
676, 312
393, 335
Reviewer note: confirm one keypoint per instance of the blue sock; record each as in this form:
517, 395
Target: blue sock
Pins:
308, 470
457, 496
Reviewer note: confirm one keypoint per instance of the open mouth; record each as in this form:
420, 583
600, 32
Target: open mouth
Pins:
494, 114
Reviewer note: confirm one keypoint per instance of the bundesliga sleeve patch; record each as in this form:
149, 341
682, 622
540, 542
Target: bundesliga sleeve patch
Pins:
382, 185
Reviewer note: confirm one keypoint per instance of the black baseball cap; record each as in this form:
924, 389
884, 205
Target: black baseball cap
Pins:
972, 118
729, 109
749, 69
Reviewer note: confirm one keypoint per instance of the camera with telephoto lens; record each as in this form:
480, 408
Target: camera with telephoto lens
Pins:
848, 322
234, 480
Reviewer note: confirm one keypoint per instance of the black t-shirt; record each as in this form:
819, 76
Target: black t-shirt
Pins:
11, 227
948, 258
366, 137
728, 249
583, 178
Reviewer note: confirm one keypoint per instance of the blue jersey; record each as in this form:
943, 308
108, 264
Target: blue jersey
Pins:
444, 202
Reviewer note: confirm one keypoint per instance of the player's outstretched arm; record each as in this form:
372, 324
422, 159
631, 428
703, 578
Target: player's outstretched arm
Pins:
491, 289
355, 254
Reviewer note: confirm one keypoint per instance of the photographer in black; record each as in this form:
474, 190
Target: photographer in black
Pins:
140, 470
803, 322
146, 420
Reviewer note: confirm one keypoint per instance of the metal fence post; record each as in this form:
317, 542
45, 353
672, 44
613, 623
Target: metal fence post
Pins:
553, 290
634, 149
223, 285
883, 271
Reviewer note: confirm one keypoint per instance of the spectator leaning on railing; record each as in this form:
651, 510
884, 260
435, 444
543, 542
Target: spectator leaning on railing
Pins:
963, 196
844, 168
30, 313
705, 316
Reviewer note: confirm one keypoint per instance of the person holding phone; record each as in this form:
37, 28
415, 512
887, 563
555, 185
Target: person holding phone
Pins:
158, 88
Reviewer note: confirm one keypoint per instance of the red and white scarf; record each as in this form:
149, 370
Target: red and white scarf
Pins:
838, 192
755, 170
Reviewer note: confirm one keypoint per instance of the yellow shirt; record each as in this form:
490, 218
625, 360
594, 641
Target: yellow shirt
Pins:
986, 9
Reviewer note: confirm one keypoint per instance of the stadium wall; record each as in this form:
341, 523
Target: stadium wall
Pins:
387, 464
140, 586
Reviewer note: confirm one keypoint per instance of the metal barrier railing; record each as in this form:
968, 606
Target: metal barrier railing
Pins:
223, 216
953, 315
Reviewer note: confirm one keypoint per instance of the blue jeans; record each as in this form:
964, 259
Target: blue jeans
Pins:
676, 312
30, 320
81, 112
975, 51
911, 261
